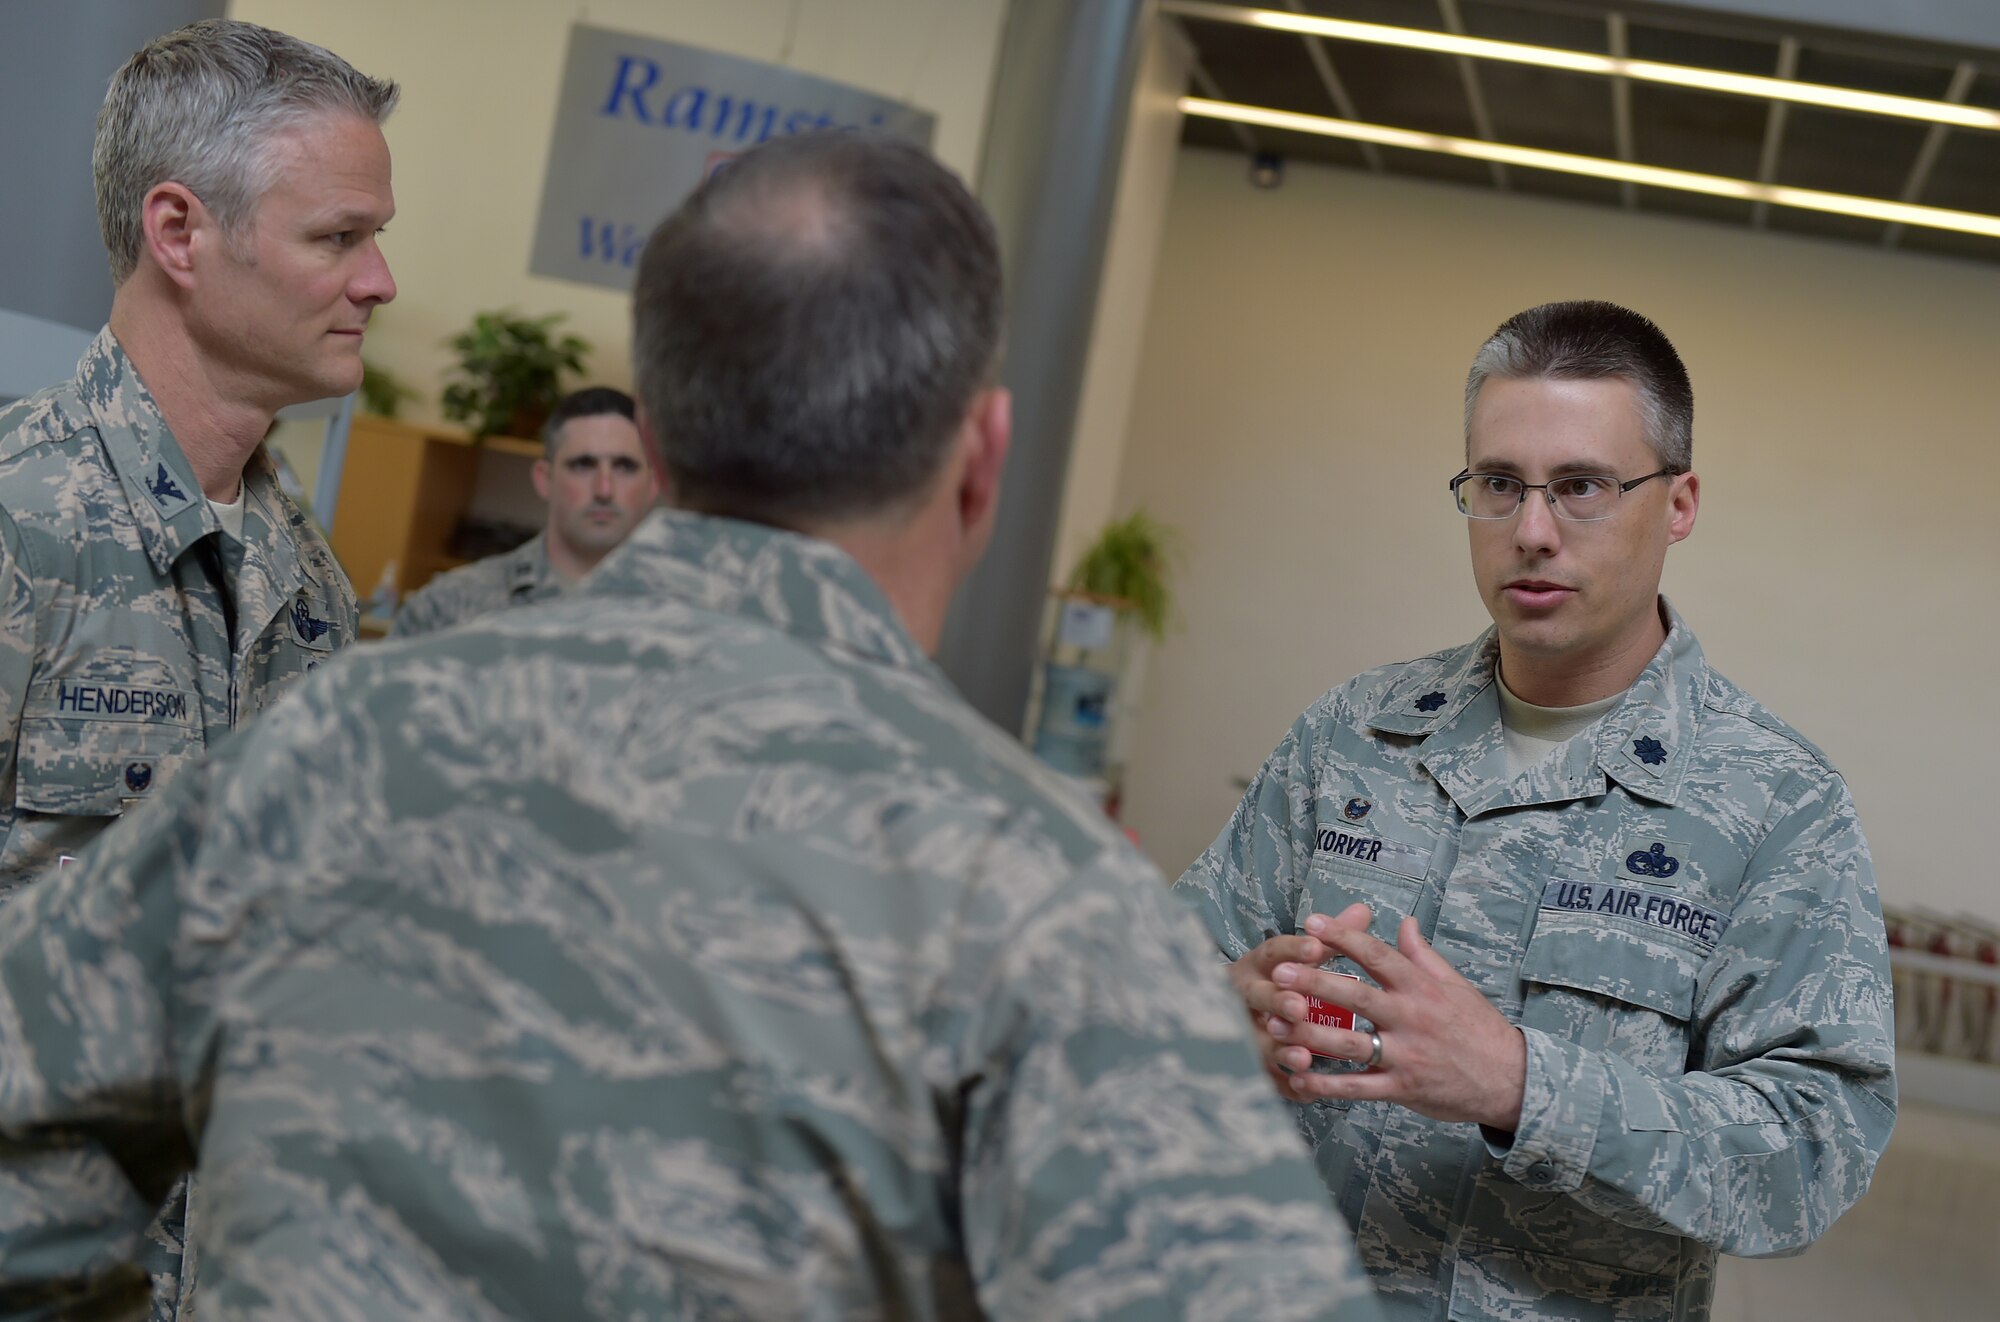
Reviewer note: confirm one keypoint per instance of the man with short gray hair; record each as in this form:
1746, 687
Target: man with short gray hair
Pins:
156, 585
685, 947
157, 588
1568, 950
594, 475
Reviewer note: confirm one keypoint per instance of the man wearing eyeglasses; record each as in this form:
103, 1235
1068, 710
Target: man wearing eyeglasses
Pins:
1567, 948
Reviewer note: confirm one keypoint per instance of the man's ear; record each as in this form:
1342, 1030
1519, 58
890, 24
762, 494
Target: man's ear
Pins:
1683, 503
541, 476
987, 433
175, 227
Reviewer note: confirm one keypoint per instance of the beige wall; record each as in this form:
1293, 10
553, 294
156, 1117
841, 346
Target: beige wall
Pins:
471, 136
1297, 417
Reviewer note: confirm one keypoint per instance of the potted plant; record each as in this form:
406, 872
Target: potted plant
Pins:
1118, 583
382, 392
509, 372
1129, 562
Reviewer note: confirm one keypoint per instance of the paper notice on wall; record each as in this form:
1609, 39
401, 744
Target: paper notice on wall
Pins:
1087, 626
640, 122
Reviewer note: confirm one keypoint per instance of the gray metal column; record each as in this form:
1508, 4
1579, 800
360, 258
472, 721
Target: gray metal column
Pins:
1048, 173
1951, 22
56, 57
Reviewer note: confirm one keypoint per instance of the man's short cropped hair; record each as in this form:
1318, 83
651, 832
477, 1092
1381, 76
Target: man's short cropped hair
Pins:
589, 402
200, 107
1586, 341
811, 326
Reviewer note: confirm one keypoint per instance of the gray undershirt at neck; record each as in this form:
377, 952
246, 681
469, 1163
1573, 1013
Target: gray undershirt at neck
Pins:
1532, 732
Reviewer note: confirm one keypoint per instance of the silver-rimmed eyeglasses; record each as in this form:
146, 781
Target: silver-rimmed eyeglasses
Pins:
1579, 498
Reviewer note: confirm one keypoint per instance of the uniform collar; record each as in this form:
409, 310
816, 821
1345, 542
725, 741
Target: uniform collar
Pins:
809, 588
1643, 743
1451, 702
275, 576
167, 504
528, 567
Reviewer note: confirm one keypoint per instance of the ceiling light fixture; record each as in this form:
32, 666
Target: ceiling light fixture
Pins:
1574, 61
1715, 185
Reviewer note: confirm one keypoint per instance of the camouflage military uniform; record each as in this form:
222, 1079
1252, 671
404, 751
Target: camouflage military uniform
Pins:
682, 948
519, 577
118, 592
117, 595
1678, 911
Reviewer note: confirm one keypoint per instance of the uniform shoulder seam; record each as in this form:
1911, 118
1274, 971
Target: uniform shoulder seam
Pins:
1725, 699
24, 547
41, 419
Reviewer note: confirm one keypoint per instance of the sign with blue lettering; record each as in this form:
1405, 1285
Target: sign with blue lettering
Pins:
640, 122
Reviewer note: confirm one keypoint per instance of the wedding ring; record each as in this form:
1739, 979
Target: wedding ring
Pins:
1375, 1054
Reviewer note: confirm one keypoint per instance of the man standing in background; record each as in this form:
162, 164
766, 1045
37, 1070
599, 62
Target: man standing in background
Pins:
1637, 1008
156, 586
686, 947
594, 475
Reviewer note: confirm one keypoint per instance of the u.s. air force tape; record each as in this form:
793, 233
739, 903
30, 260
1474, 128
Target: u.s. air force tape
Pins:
1652, 908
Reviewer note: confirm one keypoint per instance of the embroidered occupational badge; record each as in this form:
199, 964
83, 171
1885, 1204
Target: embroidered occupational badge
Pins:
138, 776
1356, 809
309, 628
1656, 862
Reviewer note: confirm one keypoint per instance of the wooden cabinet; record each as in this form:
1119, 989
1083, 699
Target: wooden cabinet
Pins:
403, 491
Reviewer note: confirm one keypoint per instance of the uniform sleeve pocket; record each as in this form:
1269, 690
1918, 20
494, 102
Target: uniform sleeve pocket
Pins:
81, 768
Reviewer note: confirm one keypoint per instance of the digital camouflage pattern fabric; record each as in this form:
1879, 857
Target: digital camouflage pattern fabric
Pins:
1677, 909
118, 595
683, 948
519, 577
118, 590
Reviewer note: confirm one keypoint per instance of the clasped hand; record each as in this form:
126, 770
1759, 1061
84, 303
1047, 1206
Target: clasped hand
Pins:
1446, 1051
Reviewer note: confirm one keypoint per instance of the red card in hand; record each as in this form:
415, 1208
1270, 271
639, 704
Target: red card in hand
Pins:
1328, 1015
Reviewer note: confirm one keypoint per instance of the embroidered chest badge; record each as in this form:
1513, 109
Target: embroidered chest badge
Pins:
1356, 809
309, 627
1655, 863
1430, 702
138, 776
1652, 861
1649, 750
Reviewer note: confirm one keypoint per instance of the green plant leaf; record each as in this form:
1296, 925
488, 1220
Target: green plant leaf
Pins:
509, 366
1132, 559
381, 392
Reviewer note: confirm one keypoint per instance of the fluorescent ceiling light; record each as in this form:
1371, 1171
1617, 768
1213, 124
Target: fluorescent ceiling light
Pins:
1840, 204
1573, 61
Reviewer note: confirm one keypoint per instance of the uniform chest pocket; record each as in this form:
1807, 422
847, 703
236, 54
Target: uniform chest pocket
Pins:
1335, 883
1610, 986
1332, 885
95, 768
